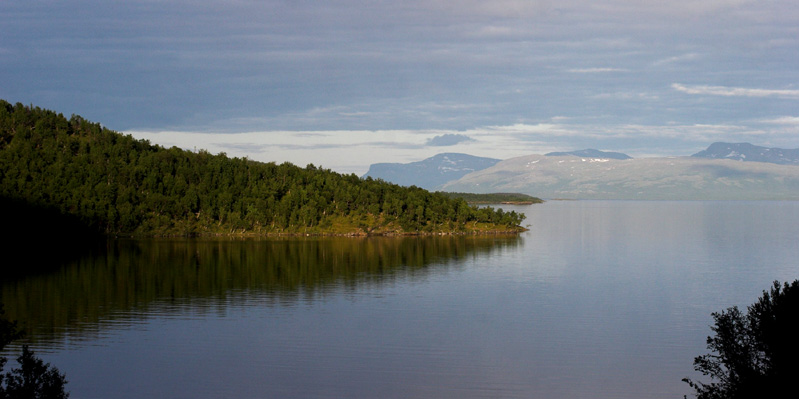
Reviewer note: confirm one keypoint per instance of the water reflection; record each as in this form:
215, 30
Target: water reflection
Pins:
600, 299
131, 280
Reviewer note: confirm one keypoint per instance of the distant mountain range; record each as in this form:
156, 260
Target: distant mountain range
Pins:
749, 152
716, 173
431, 172
677, 178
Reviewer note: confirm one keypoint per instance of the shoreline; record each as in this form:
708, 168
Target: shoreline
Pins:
358, 234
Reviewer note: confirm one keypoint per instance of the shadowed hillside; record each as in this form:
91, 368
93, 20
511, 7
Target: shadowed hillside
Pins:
117, 185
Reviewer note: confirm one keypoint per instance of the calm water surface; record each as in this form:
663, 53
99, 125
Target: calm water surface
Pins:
600, 299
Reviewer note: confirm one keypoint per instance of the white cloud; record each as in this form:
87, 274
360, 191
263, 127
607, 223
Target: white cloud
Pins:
783, 120
735, 91
676, 59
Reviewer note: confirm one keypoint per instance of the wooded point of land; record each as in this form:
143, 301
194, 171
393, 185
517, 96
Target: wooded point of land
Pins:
120, 186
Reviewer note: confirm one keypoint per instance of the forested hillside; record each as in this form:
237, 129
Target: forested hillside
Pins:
118, 185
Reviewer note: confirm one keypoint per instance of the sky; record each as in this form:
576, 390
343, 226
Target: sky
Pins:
343, 84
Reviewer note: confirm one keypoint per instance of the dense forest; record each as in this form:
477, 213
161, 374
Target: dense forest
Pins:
117, 185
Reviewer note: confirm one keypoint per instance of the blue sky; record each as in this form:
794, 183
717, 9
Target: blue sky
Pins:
348, 83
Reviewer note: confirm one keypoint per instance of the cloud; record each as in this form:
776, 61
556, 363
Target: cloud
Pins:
783, 120
597, 70
340, 83
626, 96
496, 8
448, 140
735, 91
493, 31
675, 59
680, 9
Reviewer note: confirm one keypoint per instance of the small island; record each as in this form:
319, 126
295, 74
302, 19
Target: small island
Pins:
84, 174
495, 198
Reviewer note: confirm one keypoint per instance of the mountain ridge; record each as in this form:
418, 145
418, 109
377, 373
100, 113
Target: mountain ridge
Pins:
430, 172
750, 153
721, 171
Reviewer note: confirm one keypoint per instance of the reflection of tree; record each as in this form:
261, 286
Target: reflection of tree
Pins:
133, 277
754, 354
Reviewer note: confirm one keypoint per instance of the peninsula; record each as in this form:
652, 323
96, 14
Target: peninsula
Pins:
119, 186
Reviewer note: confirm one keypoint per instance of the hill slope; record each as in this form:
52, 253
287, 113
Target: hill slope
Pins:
121, 186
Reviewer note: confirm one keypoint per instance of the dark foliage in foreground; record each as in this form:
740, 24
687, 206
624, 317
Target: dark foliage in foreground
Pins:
118, 185
754, 355
33, 379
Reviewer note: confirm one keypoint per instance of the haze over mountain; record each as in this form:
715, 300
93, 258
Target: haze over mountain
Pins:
431, 172
591, 153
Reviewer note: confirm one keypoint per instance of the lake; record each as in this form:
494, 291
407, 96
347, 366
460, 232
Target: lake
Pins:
599, 299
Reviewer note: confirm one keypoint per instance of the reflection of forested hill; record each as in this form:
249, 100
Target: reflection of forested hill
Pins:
136, 277
122, 186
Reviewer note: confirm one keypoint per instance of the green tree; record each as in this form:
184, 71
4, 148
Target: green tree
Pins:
753, 354
34, 379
